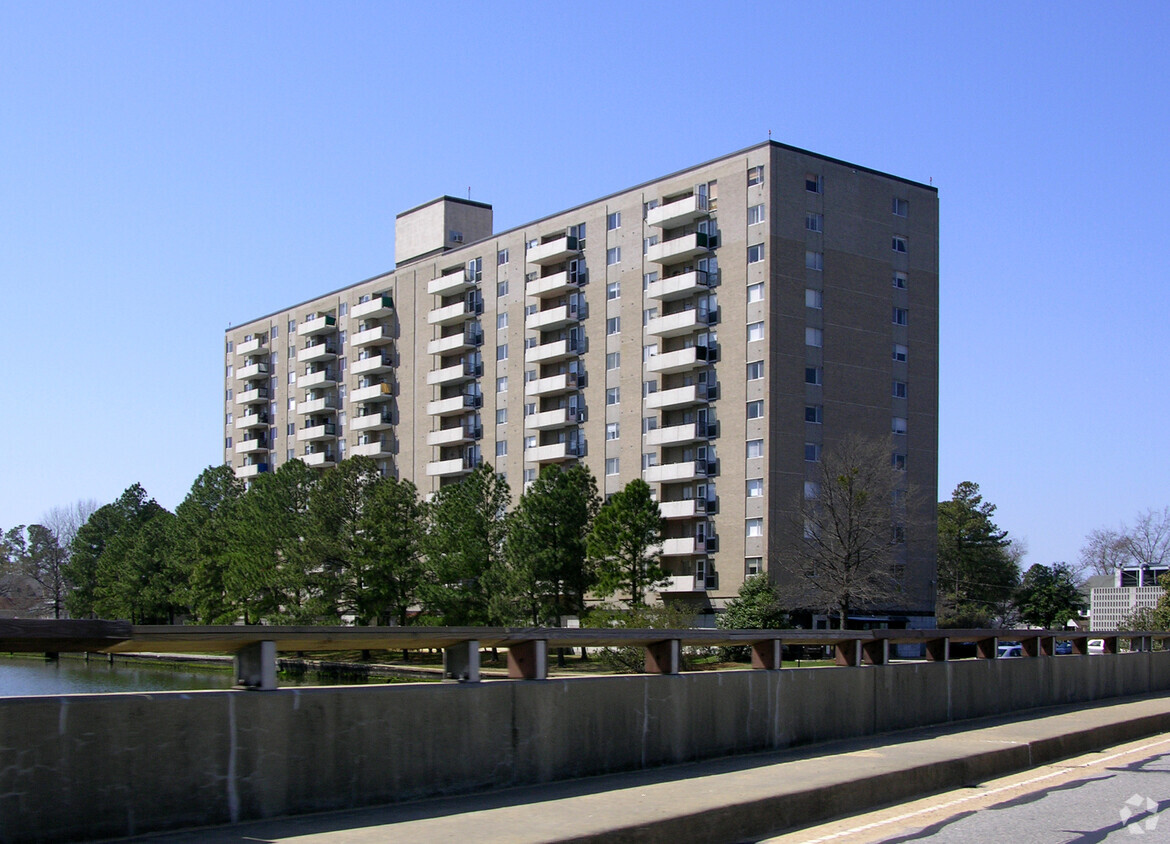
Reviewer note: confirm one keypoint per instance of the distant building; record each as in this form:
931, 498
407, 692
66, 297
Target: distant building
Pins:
1132, 588
710, 331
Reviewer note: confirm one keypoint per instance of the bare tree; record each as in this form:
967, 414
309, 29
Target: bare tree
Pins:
853, 523
1149, 539
59, 526
1105, 551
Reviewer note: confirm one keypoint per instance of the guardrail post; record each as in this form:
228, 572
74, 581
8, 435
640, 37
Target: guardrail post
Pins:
255, 665
766, 654
663, 657
876, 652
528, 660
1047, 646
848, 652
461, 662
938, 650
1081, 646
987, 648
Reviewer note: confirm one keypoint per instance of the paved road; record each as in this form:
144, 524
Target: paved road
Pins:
1119, 794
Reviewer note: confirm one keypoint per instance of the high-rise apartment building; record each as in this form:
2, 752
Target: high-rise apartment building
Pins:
710, 331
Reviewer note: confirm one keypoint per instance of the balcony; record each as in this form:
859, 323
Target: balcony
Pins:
451, 314
682, 360
444, 468
317, 351
553, 318
678, 286
379, 306
551, 285
445, 285
462, 371
687, 509
684, 546
379, 335
319, 459
683, 583
372, 449
252, 420
552, 385
678, 250
255, 370
371, 364
318, 324
320, 378
553, 251
250, 470
677, 213
551, 419
556, 350
252, 396
676, 325
454, 405
455, 342
679, 396
374, 392
674, 472
312, 433
251, 446
678, 434
552, 453
250, 346
453, 436
371, 422
326, 404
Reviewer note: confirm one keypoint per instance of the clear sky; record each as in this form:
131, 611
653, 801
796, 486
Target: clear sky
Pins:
167, 169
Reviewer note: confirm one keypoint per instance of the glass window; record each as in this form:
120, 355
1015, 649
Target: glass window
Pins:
502, 448
812, 375
648, 279
649, 314
813, 183
898, 425
812, 452
755, 409
647, 242
502, 320
649, 351
898, 461
755, 215
811, 490
898, 244
613, 255
501, 415
755, 331
813, 413
813, 298
613, 360
501, 257
755, 175
613, 221
901, 206
899, 389
613, 290
753, 527
814, 222
611, 430
755, 370
901, 316
814, 260
502, 351
502, 384
753, 566
611, 465
502, 288
613, 395
755, 448
755, 488
613, 325
755, 292
900, 352
900, 281
755, 253
814, 337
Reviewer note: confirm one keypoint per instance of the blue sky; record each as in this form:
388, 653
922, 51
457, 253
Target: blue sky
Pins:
169, 168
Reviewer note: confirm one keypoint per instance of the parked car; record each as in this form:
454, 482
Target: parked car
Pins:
1010, 649
1096, 646
1064, 647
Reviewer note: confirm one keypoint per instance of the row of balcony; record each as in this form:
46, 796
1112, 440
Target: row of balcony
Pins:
462, 371
683, 322
685, 546
460, 341
456, 312
679, 434
553, 318
555, 284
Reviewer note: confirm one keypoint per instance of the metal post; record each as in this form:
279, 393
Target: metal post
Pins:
255, 666
461, 662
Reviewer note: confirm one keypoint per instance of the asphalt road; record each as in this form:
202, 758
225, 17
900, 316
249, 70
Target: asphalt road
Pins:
1120, 794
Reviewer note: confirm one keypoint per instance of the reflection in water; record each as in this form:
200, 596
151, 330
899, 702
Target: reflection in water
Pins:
20, 676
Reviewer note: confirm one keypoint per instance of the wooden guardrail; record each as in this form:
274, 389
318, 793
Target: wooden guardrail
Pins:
255, 647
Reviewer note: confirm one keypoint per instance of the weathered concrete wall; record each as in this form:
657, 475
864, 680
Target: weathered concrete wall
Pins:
89, 766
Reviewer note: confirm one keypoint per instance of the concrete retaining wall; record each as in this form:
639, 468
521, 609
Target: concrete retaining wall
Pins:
89, 766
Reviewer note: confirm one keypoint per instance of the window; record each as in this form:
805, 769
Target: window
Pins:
649, 314
898, 461
755, 448
530, 408
755, 175
814, 260
613, 360
753, 527
613, 221
502, 384
900, 352
898, 425
901, 316
227, 443
613, 290
502, 448
292, 376
753, 566
532, 244
811, 490
812, 452
813, 413
812, 375
755, 331
501, 320
813, 298
898, 244
755, 370
755, 253
613, 255
649, 351
292, 326
647, 242
530, 441
475, 270
611, 430
501, 415
292, 453
649, 387
755, 215
899, 389
529, 475
755, 292
611, 465
648, 279
649, 423
228, 371
455, 236
901, 206
813, 183
755, 409
649, 459
900, 281
502, 351
814, 222
814, 337
613, 325
613, 395
502, 288
755, 488
501, 257
275, 331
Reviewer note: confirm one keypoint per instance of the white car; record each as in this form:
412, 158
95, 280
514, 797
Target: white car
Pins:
1096, 646
1010, 650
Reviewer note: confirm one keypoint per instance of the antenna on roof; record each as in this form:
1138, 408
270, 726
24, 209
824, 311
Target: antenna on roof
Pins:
469, 191
769, 134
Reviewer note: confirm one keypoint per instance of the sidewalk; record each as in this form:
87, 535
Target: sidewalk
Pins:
729, 800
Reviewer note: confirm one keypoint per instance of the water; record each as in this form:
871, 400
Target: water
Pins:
36, 676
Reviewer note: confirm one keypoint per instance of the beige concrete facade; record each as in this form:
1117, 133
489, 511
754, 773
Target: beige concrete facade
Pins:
621, 333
